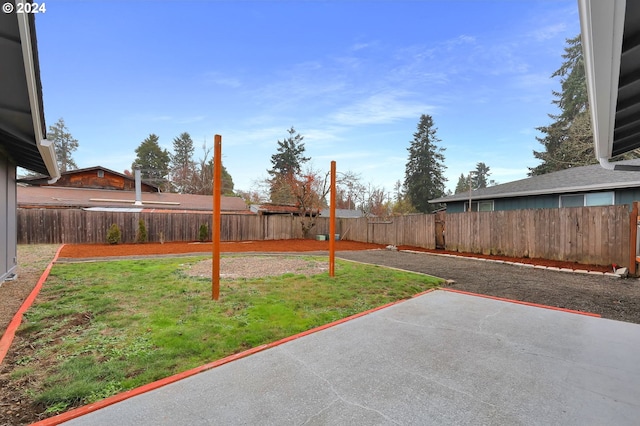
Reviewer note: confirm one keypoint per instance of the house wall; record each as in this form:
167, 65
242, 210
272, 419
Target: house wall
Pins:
627, 196
517, 203
535, 202
8, 236
90, 179
549, 201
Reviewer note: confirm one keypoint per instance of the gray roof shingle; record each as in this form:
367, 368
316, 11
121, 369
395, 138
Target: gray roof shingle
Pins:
576, 179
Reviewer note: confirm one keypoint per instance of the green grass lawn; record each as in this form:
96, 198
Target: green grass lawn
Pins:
97, 329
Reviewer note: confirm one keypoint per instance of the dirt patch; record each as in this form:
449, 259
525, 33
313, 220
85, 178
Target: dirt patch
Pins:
257, 266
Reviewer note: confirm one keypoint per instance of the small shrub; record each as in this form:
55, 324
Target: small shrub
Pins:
141, 234
113, 234
161, 237
203, 233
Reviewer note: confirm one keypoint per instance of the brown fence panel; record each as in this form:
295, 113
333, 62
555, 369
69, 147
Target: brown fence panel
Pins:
595, 235
412, 230
55, 226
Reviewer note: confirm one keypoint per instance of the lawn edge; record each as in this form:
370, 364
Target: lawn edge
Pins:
10, 332
520, 302
81, 411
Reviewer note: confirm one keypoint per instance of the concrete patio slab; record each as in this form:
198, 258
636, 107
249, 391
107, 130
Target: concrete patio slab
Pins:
440, 358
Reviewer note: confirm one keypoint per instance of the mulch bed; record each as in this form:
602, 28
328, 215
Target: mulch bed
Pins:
280, 246
268, 246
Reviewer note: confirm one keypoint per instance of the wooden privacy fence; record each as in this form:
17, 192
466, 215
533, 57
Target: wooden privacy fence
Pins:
595, 235
69, 226
591, 235
411, 230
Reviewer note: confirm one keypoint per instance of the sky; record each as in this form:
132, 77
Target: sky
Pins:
353, 77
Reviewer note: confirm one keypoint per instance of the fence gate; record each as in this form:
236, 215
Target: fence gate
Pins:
440, 229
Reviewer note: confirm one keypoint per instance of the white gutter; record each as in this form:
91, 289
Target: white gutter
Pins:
602, 28
45, 146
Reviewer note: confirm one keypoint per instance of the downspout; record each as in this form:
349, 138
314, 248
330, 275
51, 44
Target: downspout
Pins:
45, 147
602, 30
48, 153
604, 162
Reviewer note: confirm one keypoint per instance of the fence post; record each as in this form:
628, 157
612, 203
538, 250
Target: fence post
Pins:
215, 228
633, 235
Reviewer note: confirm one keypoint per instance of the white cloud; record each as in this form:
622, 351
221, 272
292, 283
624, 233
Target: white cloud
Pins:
346, 155
222, 80
359, 46
549, 31
189, 120
380, 108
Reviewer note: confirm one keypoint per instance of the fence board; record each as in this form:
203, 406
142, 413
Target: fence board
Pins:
597, 235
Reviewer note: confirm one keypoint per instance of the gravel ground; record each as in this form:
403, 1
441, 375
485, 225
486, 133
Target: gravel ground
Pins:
32, 261
612, 298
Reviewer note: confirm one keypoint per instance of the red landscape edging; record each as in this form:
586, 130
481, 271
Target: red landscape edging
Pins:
519, 302
10, 332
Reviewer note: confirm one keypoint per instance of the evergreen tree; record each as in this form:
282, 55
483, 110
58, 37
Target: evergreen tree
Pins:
65, 145
479, 178
286, 166
463, 184
424, 173
203, 175
568, 141
182, 164
227, 180
152, 161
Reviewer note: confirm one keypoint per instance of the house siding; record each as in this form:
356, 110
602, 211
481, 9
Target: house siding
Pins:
549, 201
627, 196
8, 235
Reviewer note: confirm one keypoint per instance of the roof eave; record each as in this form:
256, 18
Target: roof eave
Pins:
45, 147
602, 30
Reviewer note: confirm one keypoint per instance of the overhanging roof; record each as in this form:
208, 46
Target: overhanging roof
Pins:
611, 44
572, 180
22, 124
57, 197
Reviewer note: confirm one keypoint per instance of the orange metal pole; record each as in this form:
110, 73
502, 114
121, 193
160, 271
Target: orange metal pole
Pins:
215, 231
332, 221
633, 236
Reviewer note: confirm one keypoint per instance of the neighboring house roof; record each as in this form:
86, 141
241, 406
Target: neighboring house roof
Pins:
274, 209
56, 197
342, 213
22, 126
611, 44
75, 178
575, 179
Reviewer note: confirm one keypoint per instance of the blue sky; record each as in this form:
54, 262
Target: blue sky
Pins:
353, 77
